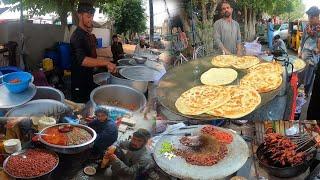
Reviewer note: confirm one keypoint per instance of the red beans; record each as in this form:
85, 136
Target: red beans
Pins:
37, 163
202, 159
219, 135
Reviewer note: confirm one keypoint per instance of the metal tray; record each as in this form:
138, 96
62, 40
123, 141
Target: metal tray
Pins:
23, 151
10, 100
182, 78
238, 153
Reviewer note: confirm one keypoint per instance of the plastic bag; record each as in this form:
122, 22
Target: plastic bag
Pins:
253, 48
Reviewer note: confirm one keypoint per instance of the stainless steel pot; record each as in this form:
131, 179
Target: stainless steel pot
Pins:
40, 107
46, 92
101, 78
125, 62
141, 86
107, 78
121, 93
70, 149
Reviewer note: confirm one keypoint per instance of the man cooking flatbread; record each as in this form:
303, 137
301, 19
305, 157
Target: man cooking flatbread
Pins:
84, 56
227, 31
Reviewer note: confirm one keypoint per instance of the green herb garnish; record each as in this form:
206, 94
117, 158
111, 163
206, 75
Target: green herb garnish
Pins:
166, 147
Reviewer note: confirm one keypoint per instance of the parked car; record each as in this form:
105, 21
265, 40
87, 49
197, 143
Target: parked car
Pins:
156, 37
281, 30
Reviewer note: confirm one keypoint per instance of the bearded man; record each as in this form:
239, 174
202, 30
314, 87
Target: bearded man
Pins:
227, 34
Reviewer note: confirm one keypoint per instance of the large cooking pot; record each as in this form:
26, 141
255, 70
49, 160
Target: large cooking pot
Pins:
121, 93
74, 149
285, 172
47, 92
107, 78
40, 107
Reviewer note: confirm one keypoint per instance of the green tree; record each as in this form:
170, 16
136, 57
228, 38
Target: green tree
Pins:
62, 7
128, 16
296, 12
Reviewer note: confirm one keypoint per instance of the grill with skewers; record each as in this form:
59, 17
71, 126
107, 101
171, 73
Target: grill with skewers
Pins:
286, 156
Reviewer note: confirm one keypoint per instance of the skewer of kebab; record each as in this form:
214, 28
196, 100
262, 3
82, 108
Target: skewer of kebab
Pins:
284, 151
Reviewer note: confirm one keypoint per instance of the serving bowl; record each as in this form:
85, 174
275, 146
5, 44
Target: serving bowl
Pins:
22, 80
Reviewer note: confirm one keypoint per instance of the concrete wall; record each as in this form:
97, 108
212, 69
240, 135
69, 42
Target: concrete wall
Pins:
38, 37
3, 33
104, 34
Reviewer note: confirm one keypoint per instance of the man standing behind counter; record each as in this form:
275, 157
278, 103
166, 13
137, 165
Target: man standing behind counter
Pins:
227, 31
84, 56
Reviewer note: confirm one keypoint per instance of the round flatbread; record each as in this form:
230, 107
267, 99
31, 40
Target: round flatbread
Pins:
245, 62
243, 101
267, 68
262, 82
218, 76
224, 60
298, 65
201, 99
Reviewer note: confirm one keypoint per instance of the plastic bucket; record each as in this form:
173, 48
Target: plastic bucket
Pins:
52, 55
99, 42
64, 50
8, 69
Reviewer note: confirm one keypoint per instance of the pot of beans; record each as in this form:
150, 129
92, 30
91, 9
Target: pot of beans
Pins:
67, 138
30, 163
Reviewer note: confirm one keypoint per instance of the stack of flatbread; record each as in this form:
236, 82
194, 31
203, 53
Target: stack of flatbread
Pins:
264, 77
245, 62
228, 102
243, 101
224, 60
231, 101
201, 99
242, 62
267, 67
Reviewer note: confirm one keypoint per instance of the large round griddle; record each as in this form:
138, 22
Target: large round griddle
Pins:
238, 154
184, 77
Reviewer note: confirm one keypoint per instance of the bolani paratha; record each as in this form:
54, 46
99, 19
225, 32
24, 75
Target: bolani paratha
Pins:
223, 60
267, 68
201, 99
245, 62
243, 101
218, 76
262, 82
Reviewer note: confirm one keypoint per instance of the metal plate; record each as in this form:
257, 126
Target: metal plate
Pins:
140, 73
41, 107
237, 156
182, 78
22, 152
10, 100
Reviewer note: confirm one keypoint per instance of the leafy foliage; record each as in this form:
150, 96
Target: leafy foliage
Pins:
61, 7
128, 15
